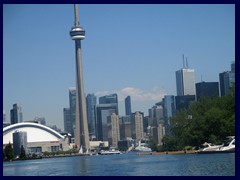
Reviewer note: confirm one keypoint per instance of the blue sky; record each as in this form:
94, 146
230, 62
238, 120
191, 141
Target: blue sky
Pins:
129, 49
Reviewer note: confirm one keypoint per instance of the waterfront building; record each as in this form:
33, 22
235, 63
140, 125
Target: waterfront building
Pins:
16, 114
19, 140
185, 81
67, 120
72, 105
91, 101
102, 111
128, 109
113, 130
137, 125
40, 138
207, 89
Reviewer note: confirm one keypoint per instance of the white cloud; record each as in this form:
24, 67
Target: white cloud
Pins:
136, 94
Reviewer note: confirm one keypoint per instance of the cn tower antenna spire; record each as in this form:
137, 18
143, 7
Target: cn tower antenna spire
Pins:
76, 23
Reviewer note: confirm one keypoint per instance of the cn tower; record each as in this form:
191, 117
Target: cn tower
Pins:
77, 34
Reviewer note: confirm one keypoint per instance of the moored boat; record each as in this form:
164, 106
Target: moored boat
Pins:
111, 151
229, 144
205, 147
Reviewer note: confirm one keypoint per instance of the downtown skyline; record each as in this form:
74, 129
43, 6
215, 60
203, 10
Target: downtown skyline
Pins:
129, 50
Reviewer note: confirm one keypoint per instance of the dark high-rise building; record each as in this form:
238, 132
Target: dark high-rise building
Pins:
67, 120
183, 102
125, 127
91, 101
109, 99
72, 105
19, 140
102, 111
168, 110
207, 89
16, 114
128, 109
77, 34
227, 79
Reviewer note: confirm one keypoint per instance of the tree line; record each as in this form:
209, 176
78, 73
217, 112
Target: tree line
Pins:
207, 120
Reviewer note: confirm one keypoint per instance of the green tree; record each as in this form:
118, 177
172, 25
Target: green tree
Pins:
8, 152
208, 120
22, 153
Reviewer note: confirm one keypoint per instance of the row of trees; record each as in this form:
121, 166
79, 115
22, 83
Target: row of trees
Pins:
8, 153
208, 120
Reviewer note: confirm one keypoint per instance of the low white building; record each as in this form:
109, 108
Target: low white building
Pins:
40, 138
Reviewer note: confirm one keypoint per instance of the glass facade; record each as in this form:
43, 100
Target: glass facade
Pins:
128, 109
207, 89
16, 114
102, 111
91, 101
67, 120
19, 140
185, 82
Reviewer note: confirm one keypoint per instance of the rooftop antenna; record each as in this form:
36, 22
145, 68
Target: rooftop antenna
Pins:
183, 62
186, 63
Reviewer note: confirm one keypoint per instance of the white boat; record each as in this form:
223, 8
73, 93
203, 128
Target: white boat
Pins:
142, 147
209, 147
111, 151
229, 144
80, 150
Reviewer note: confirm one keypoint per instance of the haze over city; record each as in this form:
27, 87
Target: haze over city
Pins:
129, 50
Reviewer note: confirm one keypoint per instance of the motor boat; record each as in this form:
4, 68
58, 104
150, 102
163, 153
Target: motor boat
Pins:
229, 144
208, 147
142, 147
111, 151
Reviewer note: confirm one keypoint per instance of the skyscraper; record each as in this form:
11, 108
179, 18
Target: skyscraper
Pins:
137, 125
227, 79
91, 100
67, 120
16, 114
72, 105
109, 99
185, 81
207, 89
128, 109
102, 111
77, 34
168, 109
113, 129
184, 102
19, 140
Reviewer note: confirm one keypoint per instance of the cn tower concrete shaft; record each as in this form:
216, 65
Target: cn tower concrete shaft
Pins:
77, 34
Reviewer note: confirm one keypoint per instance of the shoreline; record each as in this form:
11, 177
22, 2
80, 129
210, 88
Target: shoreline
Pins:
166, 152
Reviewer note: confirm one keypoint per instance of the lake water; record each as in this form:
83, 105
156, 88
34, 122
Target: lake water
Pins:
126, 165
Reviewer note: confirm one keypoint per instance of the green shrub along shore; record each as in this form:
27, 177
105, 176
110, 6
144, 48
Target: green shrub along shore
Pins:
208, 120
